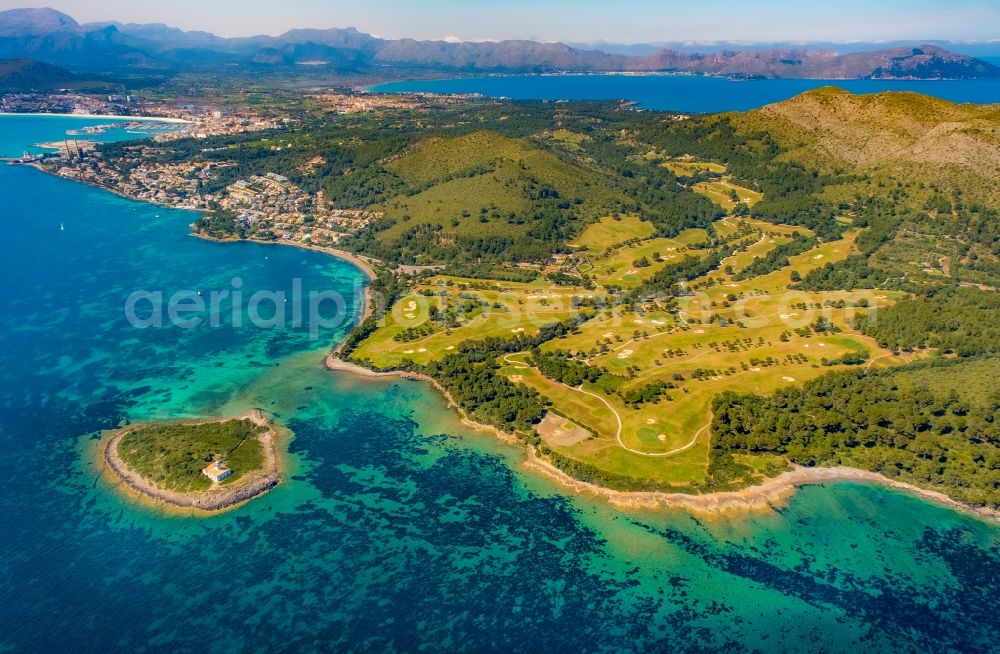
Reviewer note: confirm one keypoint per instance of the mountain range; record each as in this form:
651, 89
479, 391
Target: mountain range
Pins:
55, 38
983, 49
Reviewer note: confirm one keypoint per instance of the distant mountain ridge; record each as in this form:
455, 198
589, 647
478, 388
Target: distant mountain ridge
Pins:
56, 38
28, 75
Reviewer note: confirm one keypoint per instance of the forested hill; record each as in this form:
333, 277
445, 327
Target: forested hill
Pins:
30, 75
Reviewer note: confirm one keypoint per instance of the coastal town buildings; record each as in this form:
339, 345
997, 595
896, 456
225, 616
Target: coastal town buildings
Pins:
265, 207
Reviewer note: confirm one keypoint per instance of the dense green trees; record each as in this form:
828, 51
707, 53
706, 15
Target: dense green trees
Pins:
486, 395
791, 192
963, 321
655, 391
881, 421
560, 366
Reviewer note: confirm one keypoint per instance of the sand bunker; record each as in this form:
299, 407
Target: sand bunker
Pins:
624, 354
789, 379
559, 431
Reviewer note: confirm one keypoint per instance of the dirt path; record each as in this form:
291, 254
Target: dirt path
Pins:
621, 426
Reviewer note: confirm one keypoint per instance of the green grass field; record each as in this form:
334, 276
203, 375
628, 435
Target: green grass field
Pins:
722, 192
488, 309
689, 168
611, 232
173, 455
614, 246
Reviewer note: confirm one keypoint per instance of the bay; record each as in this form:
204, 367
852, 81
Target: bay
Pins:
684, 93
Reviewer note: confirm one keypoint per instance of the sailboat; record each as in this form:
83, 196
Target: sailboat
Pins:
62, 228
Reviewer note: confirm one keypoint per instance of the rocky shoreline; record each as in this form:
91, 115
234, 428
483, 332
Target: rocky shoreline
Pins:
215, 499
333, 362
771, 494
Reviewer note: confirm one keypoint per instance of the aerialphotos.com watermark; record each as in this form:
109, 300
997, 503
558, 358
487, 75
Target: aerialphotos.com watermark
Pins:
323, 311
320, 311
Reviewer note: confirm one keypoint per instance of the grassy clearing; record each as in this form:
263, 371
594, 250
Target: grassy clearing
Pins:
620, 253
568, 139
611, 232
721, 190
726, 194
631, 265
689, 168
172, 455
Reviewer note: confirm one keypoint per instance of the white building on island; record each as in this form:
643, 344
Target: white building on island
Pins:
217, 471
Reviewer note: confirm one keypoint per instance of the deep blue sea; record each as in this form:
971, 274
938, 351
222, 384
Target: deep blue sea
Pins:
685, 93
396, 529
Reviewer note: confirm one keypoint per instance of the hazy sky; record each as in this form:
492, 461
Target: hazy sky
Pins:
622, 21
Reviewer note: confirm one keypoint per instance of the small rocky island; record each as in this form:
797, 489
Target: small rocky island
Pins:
205, 466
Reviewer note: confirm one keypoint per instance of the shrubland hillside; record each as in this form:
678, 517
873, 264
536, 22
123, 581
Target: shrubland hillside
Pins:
907, 133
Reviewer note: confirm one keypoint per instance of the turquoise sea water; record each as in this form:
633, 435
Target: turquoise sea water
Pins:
396, 529
685, 93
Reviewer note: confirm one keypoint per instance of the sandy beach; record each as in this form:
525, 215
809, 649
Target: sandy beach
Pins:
214, 499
